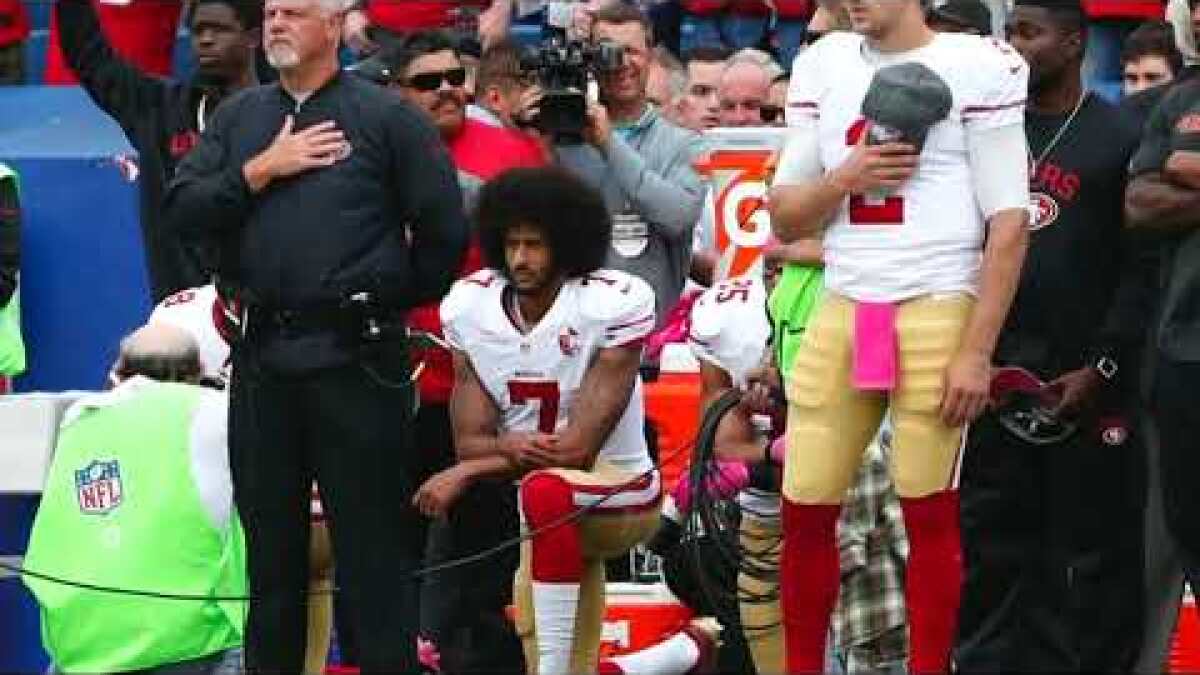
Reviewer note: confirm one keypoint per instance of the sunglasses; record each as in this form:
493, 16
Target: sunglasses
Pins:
455, 77
770, 113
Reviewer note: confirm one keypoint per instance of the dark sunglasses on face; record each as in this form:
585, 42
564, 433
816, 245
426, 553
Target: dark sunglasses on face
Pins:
455, 77
770, 113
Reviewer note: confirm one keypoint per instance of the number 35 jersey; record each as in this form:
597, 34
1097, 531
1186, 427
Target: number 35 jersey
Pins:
535, 377
730, 328
926, 236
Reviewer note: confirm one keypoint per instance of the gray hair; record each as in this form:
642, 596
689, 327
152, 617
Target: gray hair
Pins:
758, 58
161, 352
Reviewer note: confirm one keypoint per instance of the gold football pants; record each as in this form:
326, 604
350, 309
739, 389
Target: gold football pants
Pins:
830, 423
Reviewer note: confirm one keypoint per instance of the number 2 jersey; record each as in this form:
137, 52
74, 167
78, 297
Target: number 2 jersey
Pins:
928, 235
535, 377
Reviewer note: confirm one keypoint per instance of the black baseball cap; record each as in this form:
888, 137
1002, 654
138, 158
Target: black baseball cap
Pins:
968, 13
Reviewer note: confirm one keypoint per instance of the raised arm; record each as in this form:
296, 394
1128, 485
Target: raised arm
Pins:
120, 89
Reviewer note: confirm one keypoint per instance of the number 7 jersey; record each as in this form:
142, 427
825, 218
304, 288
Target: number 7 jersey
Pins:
928, 235
535, 377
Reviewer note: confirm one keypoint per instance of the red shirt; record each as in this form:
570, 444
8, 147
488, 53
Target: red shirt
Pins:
788, 9
482, 151
401, 16
14, 22
1124, 9
143, 32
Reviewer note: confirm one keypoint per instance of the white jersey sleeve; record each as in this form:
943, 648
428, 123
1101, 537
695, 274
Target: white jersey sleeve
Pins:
195, 310
621, 304
729, 326
806, 87
458, 307
996, 96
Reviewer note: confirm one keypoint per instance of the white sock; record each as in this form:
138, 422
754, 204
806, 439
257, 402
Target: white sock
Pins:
554, 608
674, 656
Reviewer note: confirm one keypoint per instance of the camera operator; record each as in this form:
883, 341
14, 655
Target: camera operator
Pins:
641, 162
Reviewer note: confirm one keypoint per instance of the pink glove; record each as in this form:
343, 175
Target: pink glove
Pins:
778, 450
729, 479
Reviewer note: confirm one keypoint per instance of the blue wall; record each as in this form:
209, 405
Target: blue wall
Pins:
83, 279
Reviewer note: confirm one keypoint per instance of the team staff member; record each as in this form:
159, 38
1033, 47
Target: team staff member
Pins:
1163, 200
163, 118
1052, 526
146, 461
338, 210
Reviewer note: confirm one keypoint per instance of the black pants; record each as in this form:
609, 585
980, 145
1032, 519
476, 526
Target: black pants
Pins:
1053, 554
462, 607
1176, 407
351, 430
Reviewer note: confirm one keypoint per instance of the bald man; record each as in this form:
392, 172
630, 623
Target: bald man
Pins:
140, 475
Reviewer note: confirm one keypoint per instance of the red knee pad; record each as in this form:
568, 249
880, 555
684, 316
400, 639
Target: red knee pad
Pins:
547, 501
933, 584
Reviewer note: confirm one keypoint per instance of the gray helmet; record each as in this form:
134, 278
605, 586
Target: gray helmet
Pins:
908, 99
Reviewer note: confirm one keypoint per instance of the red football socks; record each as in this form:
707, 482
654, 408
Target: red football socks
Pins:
809, 577
933, 583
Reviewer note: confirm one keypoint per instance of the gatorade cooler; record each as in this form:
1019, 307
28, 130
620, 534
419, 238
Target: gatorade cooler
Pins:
638, 616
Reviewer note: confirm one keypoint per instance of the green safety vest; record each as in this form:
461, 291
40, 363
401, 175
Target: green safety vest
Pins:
12, 347
121, 509
790, 305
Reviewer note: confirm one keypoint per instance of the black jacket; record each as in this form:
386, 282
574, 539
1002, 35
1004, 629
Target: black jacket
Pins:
387, 218
159, 118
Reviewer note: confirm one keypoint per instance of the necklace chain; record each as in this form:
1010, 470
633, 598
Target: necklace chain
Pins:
1058, 136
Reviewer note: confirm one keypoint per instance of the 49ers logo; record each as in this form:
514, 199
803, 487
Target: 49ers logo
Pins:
1043, 210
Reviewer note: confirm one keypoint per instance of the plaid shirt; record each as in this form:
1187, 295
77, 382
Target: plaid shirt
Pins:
873, 550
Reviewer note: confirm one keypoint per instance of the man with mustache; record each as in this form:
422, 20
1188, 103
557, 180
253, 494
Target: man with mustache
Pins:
338, 210
163, 119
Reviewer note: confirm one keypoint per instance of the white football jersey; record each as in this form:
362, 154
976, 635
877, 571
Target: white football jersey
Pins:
534, 377
195, 310
730, 327
928, 236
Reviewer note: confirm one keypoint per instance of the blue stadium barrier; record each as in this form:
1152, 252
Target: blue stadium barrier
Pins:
35, 56
20, 630
83, 279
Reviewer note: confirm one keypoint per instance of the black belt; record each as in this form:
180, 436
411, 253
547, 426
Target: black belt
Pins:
320, 319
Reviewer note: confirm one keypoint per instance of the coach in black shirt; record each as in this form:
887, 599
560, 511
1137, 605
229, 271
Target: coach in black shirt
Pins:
337, 208
1051, 522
